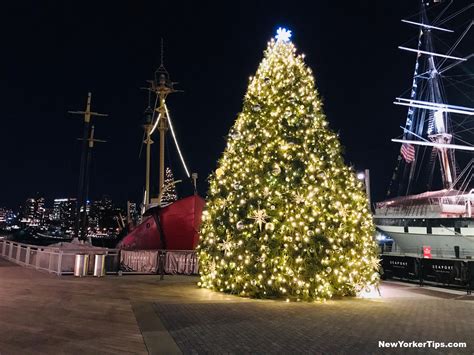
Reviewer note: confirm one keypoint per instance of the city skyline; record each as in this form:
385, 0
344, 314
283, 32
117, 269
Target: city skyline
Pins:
56, 218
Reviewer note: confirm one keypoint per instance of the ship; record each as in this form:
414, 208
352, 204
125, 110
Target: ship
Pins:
165, 225
429, 208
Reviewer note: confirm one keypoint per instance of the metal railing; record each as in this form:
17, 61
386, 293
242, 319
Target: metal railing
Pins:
159, 261
55, 260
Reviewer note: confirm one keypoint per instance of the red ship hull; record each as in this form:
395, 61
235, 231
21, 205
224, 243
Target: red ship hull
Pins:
174, 227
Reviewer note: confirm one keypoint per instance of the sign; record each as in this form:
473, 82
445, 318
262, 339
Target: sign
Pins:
427, 252
403, 267
447, 272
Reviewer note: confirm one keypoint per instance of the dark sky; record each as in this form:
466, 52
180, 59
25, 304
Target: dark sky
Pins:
54, 52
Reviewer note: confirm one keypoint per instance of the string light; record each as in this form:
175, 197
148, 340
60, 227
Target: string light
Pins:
176, 142
156, 124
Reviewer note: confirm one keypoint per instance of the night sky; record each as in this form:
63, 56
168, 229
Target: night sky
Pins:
54, 52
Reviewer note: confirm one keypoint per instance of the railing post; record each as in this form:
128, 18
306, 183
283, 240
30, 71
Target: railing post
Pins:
49, 261
3, 247
420, 260
18, 253
60, 258
161, 263
10, 251
27, 258
37, 258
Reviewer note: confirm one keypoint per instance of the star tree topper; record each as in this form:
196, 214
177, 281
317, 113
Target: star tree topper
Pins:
283, 34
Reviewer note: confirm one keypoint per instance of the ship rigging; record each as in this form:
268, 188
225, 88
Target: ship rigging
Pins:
428, 211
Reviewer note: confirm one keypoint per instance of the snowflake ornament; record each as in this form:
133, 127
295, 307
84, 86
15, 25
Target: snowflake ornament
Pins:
260, 217
226, 246
299, 198
283, 35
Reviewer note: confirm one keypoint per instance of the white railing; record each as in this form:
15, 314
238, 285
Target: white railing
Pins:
53, 259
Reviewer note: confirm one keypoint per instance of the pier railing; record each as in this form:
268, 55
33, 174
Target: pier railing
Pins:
440, 271
59, 261
159, 261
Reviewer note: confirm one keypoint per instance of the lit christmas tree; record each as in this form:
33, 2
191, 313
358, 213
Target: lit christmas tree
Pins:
285, 217
169, 195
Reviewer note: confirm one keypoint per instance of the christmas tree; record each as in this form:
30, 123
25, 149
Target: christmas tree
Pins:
169, 194
285, 216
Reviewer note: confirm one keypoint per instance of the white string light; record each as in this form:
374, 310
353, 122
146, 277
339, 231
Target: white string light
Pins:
156, 124
176, 142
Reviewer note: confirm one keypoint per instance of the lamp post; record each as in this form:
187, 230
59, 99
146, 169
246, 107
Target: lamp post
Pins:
365, 176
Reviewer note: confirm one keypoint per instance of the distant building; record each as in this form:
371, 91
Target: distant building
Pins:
104, 215
7, 218
33, 212
3, 215
64, 212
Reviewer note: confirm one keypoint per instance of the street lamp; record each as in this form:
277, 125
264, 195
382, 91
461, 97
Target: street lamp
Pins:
365, 177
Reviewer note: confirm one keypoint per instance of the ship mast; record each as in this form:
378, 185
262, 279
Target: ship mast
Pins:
429, 77
148, 141
81, 198
162, 86
429, 115
91, 140
438, 130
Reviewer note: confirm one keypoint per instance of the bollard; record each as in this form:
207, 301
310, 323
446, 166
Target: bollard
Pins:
99, 265
81, 265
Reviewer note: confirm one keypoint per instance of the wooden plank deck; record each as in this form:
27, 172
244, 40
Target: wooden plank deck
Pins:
42, 313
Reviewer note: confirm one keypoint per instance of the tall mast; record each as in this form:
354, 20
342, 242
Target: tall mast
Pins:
427, 83
429, 113
162, 91
91, 140
438, 130
81, 200
162, 86
148, 141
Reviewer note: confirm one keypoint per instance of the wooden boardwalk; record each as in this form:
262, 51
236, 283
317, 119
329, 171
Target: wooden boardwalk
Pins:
42, 313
